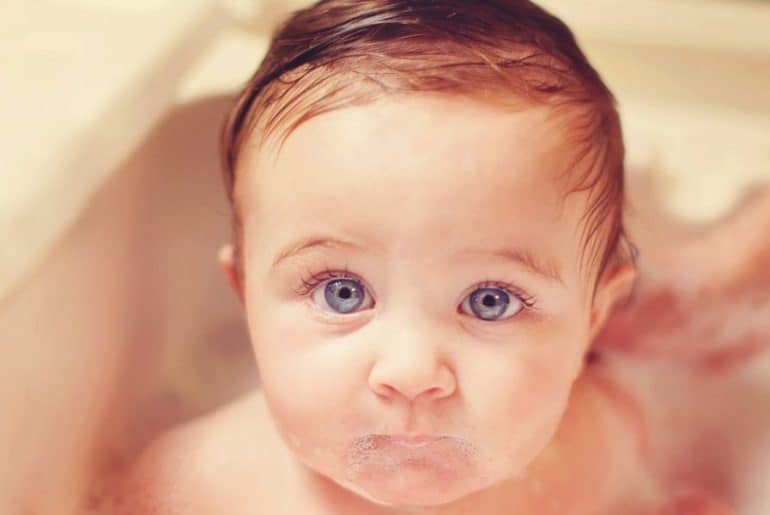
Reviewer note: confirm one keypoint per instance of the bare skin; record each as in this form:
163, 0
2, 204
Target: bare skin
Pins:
605, 458
414, 355
160, 475
596, 465
213, 466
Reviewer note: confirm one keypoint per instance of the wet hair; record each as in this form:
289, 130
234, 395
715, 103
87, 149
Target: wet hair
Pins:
339, 53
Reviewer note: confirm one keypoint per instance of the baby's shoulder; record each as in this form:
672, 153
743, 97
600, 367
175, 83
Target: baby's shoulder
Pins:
207, 466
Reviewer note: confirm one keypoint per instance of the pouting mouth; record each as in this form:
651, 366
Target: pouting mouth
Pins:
383, 454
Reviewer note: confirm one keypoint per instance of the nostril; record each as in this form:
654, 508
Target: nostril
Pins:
385, 390
411, 380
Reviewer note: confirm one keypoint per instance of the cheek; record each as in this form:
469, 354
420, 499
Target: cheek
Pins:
308, 378
531, 391
518, 402
304, 402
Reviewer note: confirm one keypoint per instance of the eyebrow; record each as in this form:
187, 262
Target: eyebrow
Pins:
547, 269
306, 244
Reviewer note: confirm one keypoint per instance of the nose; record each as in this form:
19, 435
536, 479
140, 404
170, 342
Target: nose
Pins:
409, 365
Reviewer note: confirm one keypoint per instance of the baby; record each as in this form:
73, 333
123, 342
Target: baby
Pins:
427, 200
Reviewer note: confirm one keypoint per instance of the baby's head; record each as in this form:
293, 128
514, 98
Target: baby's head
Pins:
428, 233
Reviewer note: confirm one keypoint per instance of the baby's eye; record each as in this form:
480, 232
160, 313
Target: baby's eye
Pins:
342, 295
491, 303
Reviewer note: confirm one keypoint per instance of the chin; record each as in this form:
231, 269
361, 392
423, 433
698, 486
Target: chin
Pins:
399, 494
413, 487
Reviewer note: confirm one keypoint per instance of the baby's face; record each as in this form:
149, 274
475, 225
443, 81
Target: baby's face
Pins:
411, 268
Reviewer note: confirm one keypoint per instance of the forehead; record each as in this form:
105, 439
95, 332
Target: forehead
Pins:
410, 171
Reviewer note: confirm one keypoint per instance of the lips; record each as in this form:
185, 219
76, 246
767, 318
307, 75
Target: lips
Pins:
382, 455
407, 440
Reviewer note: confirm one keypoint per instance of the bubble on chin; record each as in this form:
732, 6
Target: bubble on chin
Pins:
389, 473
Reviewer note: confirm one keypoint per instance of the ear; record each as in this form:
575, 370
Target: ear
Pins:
226, 258
615, 286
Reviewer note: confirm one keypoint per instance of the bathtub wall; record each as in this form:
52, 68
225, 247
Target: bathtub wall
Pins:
111, 211
105, 344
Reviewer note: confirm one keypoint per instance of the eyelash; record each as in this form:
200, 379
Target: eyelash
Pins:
526, 299
312, 281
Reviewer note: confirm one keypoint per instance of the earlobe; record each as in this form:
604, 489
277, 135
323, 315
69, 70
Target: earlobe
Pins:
616, 286
226, 258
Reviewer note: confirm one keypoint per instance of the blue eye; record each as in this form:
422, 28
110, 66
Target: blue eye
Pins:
492, 304
343, 296
343, 293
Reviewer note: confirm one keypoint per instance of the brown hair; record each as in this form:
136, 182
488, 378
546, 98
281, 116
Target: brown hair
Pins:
338, 53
